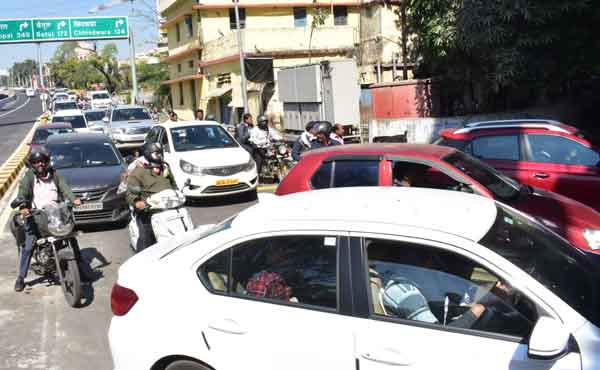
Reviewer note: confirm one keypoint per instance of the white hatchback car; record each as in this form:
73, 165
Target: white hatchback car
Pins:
384, 278
73, 116
205, 153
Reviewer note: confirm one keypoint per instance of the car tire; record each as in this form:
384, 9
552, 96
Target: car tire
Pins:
186, 365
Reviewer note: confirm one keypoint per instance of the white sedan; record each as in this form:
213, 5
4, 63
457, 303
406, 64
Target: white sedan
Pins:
206, 154
382, 278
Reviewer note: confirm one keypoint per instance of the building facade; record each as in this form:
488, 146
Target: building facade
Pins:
203, 55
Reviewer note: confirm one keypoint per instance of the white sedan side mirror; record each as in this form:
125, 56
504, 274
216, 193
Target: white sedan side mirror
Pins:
105, 119
549, 339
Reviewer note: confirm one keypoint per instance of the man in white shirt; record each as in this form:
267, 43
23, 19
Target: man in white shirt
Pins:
338, 131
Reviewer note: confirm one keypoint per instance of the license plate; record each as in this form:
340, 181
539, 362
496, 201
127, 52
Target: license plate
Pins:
227, 182
89, 207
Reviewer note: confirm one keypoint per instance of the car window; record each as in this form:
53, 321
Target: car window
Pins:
130, 114
75, 121
561, 150
417, 175
321, 179
495, 147
355, 173
201, 137
164, 140
458, 144
152, 136
214, 273
95, 116
568, 272
294, 269
100, 96
41, 135
434, 286
83, 155
65, 106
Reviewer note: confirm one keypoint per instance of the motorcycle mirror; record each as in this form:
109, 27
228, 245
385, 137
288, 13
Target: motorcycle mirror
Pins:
187, 183
17, 202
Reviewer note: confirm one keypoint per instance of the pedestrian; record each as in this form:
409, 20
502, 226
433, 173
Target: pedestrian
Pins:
173, 117
305, 140
242, 133
338, 132
200, 115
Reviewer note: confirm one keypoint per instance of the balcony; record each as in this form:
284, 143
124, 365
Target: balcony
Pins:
183, 51
282, 42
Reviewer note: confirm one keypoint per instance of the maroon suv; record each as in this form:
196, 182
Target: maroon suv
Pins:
433, 166
544, 154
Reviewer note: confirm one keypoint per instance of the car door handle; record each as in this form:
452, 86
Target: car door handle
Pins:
541, 175
227, 326
387, 356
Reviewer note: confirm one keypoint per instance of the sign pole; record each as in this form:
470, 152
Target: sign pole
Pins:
41, 72
134, 89
241, 50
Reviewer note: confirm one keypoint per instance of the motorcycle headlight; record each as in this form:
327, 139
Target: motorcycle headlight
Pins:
187, 167
282, 150
592, 238
250, 165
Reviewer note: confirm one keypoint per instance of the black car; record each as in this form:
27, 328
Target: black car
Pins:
94, 169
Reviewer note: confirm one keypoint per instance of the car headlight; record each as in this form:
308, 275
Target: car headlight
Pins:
592, 238
250, 165
187, 167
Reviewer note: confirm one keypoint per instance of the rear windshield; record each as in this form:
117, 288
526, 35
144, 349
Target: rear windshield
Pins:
567, 271
65, 105
131, 114
79, 155
100, 96
41, 135
94, 116
75, 121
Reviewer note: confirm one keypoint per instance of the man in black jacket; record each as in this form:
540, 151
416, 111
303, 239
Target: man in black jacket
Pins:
242, 133
40, 187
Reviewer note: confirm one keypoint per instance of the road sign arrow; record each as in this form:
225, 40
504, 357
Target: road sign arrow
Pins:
61, 25
119, 22
23, 25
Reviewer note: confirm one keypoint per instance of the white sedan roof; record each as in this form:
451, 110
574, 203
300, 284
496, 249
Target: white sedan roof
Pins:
68, 113
170, 124
452, 212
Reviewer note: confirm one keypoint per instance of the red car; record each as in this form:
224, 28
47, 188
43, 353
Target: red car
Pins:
433, 166
544, 154
43, 132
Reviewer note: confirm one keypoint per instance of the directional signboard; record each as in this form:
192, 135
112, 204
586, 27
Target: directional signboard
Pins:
63, 29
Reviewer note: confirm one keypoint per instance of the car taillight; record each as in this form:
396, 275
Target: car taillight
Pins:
122, 300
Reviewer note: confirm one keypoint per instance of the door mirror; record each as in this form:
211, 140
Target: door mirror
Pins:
105, 119
129, 159
549, 339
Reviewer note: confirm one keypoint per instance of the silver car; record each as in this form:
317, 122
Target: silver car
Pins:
94, 118
128, 125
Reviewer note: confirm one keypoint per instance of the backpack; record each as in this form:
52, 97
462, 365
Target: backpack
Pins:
268, 285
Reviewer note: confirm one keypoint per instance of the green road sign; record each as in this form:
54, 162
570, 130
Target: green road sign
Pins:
63, 29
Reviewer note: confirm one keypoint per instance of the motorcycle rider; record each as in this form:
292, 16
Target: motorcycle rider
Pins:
150, 178
323, 131
242, 133
260, 139
304, 142
41, 186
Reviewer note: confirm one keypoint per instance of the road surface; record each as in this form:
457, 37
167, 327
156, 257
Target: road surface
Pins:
16, 119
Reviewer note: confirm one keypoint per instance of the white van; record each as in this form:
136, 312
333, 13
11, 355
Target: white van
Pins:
100, 99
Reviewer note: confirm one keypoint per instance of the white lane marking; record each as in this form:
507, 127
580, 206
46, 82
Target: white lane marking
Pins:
16, 109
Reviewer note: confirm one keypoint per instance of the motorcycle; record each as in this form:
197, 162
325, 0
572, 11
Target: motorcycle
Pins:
169, 216
53, 255
277, 162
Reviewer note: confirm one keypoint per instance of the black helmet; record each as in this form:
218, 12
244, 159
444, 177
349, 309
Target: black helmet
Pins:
323, 127
41, 157
310, 125
263, 122
153, 152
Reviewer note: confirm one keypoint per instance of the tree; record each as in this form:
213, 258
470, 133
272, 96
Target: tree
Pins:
151, 76
23, 72
505, 53
107, 65
319, 15
64, 51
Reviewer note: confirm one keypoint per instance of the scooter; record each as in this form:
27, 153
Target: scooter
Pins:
169, 216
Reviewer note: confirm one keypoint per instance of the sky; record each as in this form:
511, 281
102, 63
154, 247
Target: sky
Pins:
145, 31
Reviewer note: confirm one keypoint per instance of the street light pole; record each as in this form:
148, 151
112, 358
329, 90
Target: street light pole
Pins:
134, 87
241, 50
40, 68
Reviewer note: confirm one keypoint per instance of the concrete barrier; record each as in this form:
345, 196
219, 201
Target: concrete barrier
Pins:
11, 168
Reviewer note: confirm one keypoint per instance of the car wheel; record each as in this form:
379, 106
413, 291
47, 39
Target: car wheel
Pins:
186, 365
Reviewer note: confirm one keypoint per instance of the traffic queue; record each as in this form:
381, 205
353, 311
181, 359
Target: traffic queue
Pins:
488, 238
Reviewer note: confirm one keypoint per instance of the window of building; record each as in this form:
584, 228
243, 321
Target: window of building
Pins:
299, 17
434, 286
189, 25
495, 147
177, 32
232, 23
179, 67
193, 95
340, 15
190, 64
181, 101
